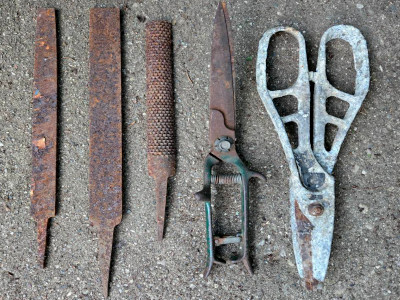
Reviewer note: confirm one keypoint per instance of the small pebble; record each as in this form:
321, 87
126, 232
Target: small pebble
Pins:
261, 243
369, 226
161, 262
364, 172
359, 6
363, 208
282, 253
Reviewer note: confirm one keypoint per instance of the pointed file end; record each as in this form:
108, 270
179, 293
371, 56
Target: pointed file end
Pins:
105, 249
42, 238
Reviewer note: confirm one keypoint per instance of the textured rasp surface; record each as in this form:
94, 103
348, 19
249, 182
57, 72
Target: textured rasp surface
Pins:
44, 126
160, 97
160, 112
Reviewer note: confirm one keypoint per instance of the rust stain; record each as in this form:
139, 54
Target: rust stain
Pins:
304, 231
40, 143
44, 123
161, 151
95, 101
105, 163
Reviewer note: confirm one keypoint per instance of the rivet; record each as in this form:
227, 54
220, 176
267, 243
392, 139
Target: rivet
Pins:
315, 209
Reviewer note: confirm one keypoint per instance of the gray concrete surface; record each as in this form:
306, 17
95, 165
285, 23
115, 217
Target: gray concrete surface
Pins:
365, 258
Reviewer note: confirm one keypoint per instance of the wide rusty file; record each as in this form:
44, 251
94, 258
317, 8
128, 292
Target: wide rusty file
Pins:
105, 174
44, 126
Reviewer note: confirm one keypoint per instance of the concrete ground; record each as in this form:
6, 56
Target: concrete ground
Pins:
365, 256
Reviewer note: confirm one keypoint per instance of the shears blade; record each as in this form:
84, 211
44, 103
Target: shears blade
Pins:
222, 84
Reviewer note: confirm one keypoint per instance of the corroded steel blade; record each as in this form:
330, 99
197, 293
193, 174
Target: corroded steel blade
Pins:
105, 166
161, 149
44, 126
222, 95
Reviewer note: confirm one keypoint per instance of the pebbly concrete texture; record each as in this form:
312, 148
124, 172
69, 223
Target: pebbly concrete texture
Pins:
365, 256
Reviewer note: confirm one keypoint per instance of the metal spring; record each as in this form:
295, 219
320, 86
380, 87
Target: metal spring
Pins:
226, 179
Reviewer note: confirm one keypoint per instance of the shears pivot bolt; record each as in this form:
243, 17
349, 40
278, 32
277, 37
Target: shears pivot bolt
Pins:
223, 144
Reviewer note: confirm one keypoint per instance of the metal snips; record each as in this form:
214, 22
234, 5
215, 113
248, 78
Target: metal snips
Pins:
312, 195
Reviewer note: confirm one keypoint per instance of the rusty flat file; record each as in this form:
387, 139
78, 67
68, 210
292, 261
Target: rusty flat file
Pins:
105, 174
44, 127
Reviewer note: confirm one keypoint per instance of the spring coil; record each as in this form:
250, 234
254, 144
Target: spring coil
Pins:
226, 179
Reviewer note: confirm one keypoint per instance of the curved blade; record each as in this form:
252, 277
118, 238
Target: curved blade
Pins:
222, 95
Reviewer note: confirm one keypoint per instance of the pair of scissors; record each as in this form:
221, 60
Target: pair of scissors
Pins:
312, 197
222, 141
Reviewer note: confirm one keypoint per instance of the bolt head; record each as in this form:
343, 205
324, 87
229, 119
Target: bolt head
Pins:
223, 144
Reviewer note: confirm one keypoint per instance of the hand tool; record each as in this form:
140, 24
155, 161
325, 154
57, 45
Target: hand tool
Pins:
222, 141
44, 127
161, 151
312, 197
105, 147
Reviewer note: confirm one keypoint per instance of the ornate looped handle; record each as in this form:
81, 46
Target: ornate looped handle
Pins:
323, 90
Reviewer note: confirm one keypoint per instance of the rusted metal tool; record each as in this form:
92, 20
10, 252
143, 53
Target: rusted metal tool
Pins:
161, 151
105, 173
312, 197
222, 141
44, 127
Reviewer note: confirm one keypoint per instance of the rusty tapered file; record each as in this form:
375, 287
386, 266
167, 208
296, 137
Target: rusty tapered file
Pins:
44, 127
105, 165
161, 149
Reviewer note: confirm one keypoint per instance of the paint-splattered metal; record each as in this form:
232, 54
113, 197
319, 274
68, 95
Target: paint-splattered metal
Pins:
44, 127
312, 195
105, 165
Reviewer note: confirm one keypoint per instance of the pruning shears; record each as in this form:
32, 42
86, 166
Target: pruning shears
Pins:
222, 141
